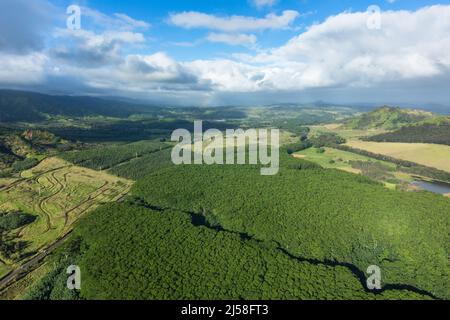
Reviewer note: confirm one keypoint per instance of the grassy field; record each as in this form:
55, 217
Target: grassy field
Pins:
18, 289
348, 134
57, 193
336, 159
4, 268
431, 155
285, 138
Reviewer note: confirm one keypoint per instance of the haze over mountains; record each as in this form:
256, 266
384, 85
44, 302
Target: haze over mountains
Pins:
33, 106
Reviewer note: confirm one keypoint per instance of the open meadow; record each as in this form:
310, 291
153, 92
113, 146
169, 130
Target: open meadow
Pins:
431, 155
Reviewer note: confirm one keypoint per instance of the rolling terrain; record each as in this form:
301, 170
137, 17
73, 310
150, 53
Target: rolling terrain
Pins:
388, 118
436, 133
186, 229
100, 190
56, 194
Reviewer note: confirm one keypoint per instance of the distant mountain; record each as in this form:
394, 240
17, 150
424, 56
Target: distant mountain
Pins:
389, 118
30, 106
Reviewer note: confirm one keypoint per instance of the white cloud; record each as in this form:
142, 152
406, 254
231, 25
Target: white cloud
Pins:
90, 49
233, 39
195, 19
139, 73
22, 69
343, 52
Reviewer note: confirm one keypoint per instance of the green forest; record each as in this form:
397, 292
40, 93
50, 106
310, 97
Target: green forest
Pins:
128, 251
111, 155
424, 133
318, 214
226, 232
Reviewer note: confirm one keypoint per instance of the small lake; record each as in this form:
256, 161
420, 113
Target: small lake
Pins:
433, 186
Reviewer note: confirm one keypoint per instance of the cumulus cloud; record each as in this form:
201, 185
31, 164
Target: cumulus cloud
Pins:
342, 51
159, 71
22, 69
406, 57
91, 49
193, 19
140, 73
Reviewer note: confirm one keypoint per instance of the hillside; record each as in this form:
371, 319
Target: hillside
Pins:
289, 231
15, 146
389, 118
24, 106
437, 132
172, 256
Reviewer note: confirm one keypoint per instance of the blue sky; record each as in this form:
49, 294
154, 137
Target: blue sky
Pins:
229, 51
164, 36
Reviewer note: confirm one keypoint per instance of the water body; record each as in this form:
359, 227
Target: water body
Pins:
433, 186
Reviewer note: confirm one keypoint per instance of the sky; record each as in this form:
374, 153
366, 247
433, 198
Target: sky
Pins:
230, 52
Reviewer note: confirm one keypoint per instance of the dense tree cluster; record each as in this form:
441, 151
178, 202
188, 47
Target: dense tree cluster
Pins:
328, 139
109, 156
127, 251
129, 130
299, 146
144, 165
319, 214
424, 133
25, 164
14, 220
10, 246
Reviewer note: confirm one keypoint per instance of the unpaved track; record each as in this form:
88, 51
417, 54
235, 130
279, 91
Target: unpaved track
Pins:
31, 264
58, 187
89, 199
32, 178
35, 262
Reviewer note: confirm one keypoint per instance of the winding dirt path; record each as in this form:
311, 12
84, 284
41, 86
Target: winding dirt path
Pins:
44, 201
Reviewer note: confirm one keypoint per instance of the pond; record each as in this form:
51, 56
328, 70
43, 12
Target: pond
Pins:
433, 186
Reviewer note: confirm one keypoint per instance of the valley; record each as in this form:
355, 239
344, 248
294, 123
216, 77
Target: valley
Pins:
101, 190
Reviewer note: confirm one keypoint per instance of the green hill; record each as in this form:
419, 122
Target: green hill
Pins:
434, 131
389, 118
24, 106
16, 146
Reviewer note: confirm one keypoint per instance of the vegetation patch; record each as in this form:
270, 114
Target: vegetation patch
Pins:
424, 133
53, 195
318, 214
172, 257
431, 155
